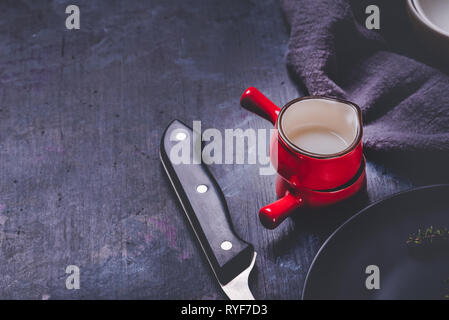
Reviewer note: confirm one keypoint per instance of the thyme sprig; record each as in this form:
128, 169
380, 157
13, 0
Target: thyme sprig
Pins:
423, 243
429, 236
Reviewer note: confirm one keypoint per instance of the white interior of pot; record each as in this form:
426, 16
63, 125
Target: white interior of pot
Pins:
434, 12
320, 126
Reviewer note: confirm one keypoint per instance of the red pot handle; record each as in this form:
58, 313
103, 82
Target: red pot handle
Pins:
273, 214
253, 100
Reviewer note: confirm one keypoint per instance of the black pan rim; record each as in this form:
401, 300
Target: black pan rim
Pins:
413, 189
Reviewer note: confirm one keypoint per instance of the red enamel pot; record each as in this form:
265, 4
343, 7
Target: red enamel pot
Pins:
316, 150
292, 198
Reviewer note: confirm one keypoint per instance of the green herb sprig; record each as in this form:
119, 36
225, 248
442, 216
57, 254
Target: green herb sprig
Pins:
429, 236
430, 242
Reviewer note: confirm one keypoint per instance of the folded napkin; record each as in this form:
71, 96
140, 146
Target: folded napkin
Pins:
405, 100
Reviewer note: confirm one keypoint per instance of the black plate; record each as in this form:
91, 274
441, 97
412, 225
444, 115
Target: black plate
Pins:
377, 235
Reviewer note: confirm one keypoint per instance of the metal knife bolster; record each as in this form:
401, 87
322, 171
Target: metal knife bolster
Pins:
204, 204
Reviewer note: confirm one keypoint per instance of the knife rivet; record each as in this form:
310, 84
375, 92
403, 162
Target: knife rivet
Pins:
202, 188
226, 245
180, 136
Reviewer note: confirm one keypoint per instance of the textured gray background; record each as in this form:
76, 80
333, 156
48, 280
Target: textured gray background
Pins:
81, 116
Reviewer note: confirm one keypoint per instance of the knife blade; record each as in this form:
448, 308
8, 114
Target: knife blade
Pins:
204, 204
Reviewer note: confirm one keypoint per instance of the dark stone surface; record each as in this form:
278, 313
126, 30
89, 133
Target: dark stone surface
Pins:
81, 116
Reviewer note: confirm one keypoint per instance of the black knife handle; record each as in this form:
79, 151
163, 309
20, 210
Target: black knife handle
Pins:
206, 210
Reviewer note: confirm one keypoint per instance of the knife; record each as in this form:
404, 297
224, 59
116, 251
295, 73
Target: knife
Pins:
230, 258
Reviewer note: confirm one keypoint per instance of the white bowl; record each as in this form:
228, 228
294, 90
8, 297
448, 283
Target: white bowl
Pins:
430, 20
